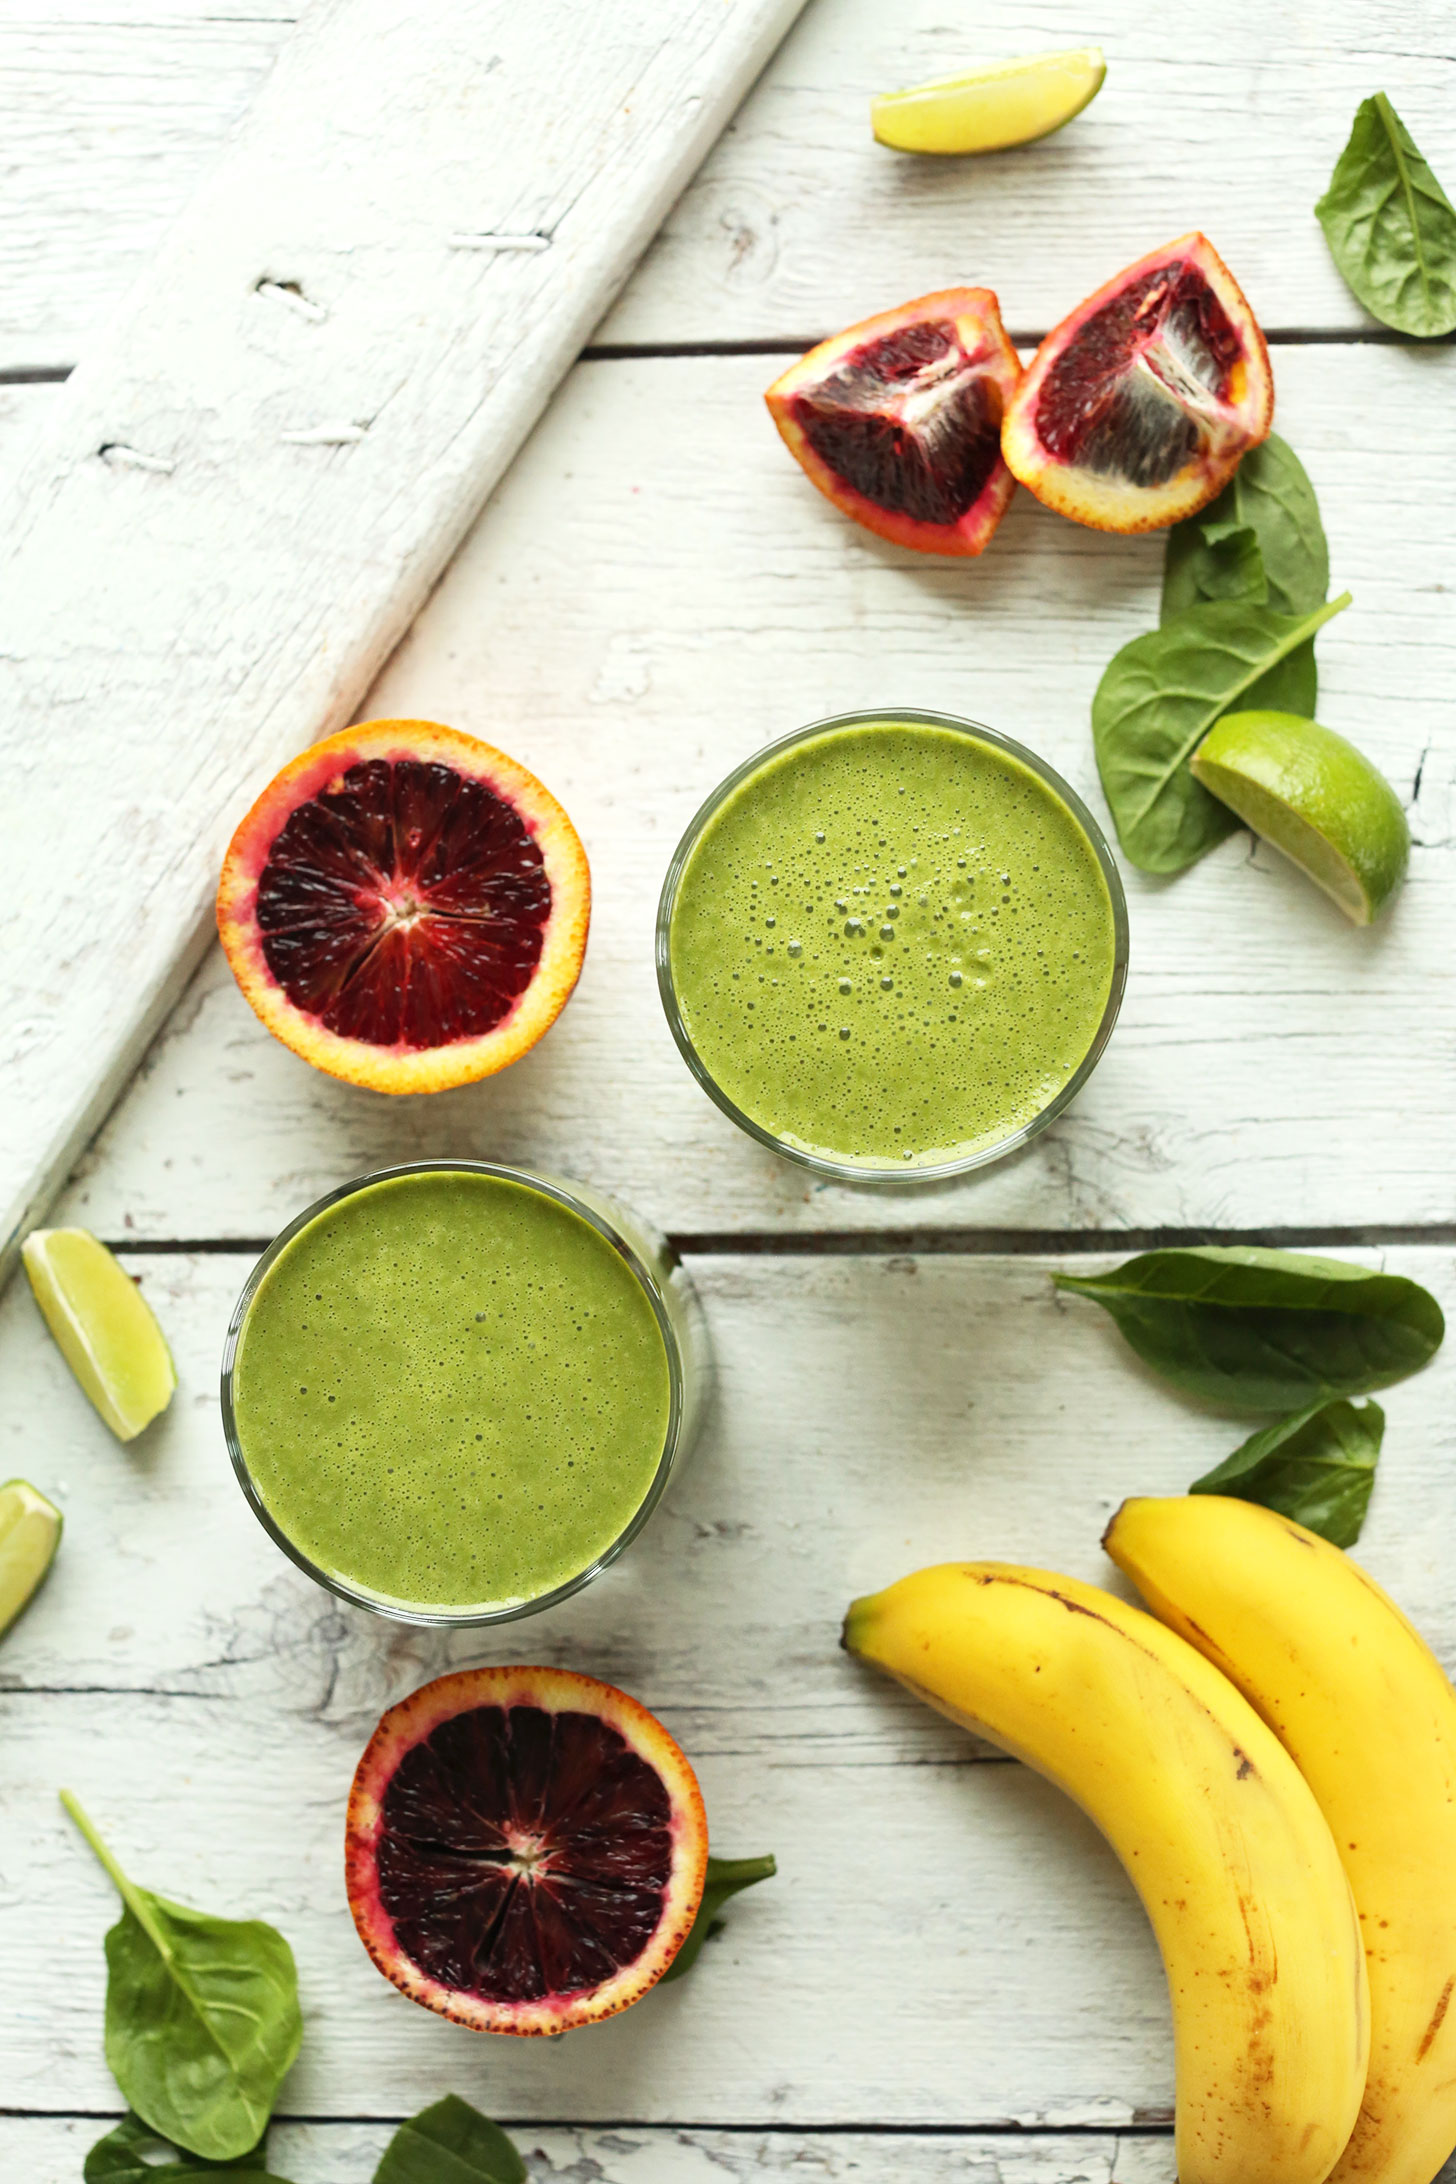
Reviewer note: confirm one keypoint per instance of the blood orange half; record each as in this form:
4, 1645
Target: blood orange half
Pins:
406, 907
526, 1849
898, 420
1138, 408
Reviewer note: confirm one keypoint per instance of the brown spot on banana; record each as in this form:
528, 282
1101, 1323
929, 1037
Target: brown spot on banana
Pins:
1438, 2018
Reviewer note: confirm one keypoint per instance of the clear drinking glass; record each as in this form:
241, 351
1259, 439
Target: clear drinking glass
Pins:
895, 1176
675, 1306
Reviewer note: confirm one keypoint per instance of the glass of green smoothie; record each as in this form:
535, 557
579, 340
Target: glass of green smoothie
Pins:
892, 946
454, 1392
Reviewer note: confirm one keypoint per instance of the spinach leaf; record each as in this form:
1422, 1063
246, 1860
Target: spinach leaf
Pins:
202, 2017
1257, 1330
1160, 696
1391, 227
726, 1876
450, 2143
1261, 540
1317, 1466
121, 2158
1211, 560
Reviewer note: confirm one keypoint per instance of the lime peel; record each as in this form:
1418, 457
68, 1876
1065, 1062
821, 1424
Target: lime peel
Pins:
1316, 798
103, 1326
30, 1533
990, 109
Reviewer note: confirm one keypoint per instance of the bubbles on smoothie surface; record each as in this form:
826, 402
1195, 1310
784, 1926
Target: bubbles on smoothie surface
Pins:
950, 965
450, 1389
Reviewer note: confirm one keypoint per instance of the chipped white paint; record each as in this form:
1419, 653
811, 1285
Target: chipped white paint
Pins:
340, 435
291, 488
293, 299
500, 242
121, 457
799, 221
655, 590
343, 2153
948, 1943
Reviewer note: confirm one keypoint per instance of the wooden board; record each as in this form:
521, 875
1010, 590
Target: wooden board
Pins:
306, 400
798, 221
341, 2153
654, 591
114, 110
1226, 120
651, 592
208, 1703
25, 411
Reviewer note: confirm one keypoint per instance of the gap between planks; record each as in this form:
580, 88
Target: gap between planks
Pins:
977, 1243
1278, 337
621, 352
1151, 2127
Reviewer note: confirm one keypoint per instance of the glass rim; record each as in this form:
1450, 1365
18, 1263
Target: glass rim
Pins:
857, 1172
563, 1194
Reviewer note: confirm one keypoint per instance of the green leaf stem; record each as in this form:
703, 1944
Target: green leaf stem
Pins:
202, 2016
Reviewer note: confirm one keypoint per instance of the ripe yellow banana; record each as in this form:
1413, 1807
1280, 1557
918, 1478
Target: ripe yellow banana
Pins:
1218, 1832
1365, 1709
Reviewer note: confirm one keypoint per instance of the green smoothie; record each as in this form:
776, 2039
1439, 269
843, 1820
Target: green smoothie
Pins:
451, 1392
892, 945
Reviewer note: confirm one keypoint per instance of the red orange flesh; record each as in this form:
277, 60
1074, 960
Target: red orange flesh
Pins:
405, 906
526, 1849
1139, 407
898, 420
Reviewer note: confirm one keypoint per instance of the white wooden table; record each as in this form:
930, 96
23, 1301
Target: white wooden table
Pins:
950, 1979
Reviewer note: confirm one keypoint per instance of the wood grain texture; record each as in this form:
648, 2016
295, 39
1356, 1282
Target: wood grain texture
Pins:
113, 111
306, 401
654, 591
1228, 121
948, 1943
50, 2152
114, 107
25, 411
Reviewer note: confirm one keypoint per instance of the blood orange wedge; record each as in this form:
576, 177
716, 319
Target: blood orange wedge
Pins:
1136, 410
526, 1849
406, 907
898, 420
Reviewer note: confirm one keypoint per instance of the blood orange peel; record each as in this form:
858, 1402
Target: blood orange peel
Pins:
898, 420
405, 907
1137, 410
526, 1849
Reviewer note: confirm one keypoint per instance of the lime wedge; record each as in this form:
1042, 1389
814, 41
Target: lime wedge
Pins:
30, 1533
989, 109
106, 1331
1314, 796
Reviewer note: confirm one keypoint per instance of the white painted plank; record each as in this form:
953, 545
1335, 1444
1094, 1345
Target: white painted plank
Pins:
50, 2152
25, 409
113, 107
1226, 119
987, 1961
112, 111
299, 478
654, 591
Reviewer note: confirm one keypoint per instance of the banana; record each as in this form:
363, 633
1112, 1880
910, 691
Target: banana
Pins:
1365, 1710
1218, 1832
